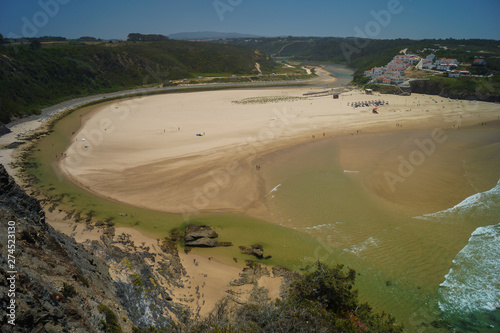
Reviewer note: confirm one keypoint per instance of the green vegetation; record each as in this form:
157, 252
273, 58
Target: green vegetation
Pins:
83, 280
38, 75
146, 38
363, 54
68, 291
465, 87
323, 300
109, 324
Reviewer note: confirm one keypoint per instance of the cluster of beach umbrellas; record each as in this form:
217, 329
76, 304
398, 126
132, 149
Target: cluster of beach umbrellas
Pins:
368, 103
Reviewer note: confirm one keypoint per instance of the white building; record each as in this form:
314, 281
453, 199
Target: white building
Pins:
479, 62
446, 61
403, 57
428, 62
413, 60
444, 64
431, 57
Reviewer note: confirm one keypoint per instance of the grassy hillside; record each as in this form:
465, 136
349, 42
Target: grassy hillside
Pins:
37, 75
363, 54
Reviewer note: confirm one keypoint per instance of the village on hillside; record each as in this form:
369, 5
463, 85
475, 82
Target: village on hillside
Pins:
394, 72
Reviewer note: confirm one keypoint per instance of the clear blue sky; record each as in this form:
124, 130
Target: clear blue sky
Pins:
108, 19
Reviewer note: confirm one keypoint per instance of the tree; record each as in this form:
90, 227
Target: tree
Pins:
136, 37
35, 45
1, 39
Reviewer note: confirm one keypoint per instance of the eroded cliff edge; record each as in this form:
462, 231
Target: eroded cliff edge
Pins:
69, 287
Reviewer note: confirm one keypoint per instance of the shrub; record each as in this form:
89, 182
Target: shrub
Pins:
109, 324
322, 300
68, 290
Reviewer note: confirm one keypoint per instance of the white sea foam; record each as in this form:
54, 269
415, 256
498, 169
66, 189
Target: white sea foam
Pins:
473, 282
358, 248
478, 204
275, 189
322, 226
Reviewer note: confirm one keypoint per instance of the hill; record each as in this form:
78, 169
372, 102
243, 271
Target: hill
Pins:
363, 54
200, 35
40, 74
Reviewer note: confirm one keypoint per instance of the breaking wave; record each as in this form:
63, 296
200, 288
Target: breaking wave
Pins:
473, 283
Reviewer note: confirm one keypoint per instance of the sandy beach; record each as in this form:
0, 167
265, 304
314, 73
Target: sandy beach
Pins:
192, 152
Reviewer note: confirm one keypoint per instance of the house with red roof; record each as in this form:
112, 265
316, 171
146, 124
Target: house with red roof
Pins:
479, 62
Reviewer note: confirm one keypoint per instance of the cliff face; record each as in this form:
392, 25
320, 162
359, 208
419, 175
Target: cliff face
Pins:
436, 88
64, 286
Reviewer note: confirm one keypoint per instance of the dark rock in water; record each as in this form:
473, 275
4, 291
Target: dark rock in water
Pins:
199, 231
200, 236
255, 250
4, 129
224, 244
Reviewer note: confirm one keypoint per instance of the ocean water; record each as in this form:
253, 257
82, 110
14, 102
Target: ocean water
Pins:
440, 267
470, 292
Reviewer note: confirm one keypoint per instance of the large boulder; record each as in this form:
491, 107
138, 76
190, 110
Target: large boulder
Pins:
194, 232
200, 236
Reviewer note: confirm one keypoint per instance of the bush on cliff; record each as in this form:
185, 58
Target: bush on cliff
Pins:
323, 300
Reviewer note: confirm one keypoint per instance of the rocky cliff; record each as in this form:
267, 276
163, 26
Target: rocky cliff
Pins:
63, 286
471, 92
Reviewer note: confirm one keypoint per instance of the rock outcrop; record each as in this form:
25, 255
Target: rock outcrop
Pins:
200, 236
255, 250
